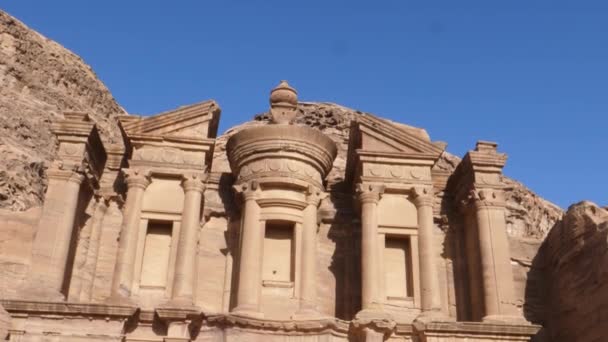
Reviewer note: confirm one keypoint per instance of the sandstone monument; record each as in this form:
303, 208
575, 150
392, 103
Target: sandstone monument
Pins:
313, 222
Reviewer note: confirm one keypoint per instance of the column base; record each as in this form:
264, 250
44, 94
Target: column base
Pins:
433, 316
307, 315
181, 303
247, 311
371, 335
373, 314
117, 299
505, 319
39, 293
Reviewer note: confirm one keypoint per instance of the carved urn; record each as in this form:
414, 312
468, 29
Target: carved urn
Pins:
281, 153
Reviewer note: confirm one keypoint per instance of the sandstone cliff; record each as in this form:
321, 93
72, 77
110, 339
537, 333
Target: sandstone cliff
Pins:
39, 80
575, 260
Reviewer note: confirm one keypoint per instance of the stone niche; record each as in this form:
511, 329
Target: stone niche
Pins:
279, 171
168, 161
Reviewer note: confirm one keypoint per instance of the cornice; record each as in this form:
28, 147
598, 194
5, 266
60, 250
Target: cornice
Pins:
309, 326
88, 309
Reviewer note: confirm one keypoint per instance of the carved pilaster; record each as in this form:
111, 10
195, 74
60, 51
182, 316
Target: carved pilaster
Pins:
250, 266
308, 293
369, 196
137, 182
477, 186
430, 297
185, 270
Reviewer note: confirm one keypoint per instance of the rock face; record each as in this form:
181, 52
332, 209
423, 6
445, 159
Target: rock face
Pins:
575, 259
39, 79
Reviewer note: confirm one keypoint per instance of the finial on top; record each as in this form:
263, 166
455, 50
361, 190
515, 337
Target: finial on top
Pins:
283, 103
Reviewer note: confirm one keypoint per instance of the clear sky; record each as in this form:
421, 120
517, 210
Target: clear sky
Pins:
531, 75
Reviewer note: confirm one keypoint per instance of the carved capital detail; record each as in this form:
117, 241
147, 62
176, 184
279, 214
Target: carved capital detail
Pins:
136, 178
249, 190
423, 196
74, 175
193, 182
369, 193
314, 196
484, 199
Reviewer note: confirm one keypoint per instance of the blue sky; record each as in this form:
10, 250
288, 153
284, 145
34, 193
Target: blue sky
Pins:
531, 75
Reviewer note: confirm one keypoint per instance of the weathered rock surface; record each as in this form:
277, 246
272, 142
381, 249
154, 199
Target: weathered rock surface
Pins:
5, 323
575, 259
39, 80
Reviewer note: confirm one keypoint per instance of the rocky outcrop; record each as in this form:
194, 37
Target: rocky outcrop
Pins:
575, 260
39, 80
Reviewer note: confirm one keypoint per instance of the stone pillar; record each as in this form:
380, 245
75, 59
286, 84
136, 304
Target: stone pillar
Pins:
185, 264
137, 182
496, 269
53, 238
250, 264
430, 297
308, 291
90, 265
369, 196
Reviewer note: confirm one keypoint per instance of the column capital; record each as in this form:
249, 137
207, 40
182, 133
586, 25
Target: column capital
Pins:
314, 196
369, 193
484, 199
423, 196
249, 190
193, 182
69, 175
136, 178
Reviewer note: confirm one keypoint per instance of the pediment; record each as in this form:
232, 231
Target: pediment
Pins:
372, 134
375, 142
197, 121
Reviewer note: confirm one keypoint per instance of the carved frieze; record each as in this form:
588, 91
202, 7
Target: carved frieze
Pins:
168, 156
278, 167
396, 173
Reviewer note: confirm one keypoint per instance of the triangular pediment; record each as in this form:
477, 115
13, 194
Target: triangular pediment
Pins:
198, 121
373, 134
377, 141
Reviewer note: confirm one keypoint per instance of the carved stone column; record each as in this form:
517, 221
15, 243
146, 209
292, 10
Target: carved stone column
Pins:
496, 269
52, 242
478, 186
86, 291
185, 270
137, 182
369, 196
430, 297
308, 292
252, 244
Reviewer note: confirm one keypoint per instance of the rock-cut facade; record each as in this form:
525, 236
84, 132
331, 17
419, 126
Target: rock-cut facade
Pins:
275, 231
